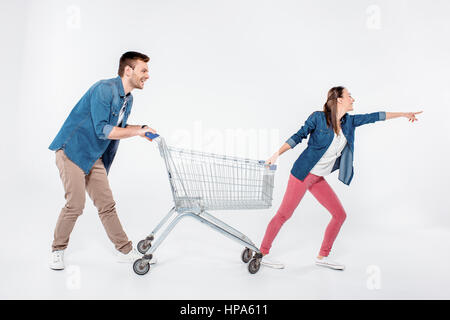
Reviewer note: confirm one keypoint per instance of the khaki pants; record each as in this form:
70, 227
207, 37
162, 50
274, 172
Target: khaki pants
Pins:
76, 183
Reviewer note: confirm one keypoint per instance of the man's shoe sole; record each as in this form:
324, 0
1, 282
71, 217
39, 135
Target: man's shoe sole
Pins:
57, 269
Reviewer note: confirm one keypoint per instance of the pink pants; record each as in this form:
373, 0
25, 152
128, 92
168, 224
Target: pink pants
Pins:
295, 191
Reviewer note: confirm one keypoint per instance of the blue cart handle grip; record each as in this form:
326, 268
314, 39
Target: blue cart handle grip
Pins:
151, 136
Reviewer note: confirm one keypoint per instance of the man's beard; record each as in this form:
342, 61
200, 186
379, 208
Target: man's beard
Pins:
138, 83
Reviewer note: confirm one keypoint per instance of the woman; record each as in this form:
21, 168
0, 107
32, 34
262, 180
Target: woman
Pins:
330, 147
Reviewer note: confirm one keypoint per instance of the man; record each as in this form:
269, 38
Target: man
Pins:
85, 148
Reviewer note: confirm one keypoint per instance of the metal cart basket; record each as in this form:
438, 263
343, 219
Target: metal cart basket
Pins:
204, 181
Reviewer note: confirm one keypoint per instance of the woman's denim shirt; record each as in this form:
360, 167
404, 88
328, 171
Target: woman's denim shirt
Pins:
320, 139
84, 134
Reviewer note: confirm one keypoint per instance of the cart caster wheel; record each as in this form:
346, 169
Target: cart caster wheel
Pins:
247, 255
254, 266
143, 246
140, 267
150, 238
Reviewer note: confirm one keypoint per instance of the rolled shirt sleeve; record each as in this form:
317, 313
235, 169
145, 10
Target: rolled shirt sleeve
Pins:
107, 130
296, 138
101, 99
361, 119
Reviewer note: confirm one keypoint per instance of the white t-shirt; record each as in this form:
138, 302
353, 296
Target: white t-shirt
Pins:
326, 163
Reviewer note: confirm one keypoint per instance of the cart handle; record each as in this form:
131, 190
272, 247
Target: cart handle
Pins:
270, 166
151, 136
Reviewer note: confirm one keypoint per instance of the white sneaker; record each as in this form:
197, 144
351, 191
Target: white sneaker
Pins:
57, 260
325, 262
271, 263
131, 257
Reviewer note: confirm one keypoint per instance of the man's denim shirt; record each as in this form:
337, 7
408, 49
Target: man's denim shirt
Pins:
320, 139
84, 134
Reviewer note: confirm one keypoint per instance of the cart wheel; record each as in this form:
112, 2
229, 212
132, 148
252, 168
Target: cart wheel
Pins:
141, 268
143, 246
253, 266
247, 255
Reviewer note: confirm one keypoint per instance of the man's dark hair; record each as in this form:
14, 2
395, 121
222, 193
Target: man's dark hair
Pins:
129, 59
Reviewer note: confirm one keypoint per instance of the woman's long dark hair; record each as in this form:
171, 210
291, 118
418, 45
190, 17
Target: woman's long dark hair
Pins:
330, 107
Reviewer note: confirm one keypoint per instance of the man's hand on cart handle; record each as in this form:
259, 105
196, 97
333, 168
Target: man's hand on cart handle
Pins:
151, 136
144, 131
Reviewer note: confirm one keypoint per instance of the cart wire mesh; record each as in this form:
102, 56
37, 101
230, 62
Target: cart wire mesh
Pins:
206, 181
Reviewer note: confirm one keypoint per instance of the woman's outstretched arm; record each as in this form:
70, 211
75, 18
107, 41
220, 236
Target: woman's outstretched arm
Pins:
410, 115
362, 119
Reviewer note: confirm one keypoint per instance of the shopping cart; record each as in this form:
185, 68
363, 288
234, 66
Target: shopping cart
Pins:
204, 181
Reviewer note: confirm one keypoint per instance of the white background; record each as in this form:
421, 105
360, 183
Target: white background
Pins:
234, 77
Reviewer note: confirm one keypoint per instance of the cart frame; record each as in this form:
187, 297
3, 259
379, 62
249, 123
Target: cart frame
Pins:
188, 205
